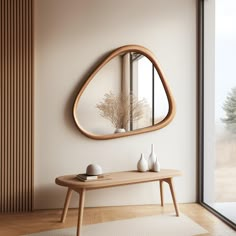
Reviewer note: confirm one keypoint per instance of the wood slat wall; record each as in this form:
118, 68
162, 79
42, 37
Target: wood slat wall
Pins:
16, 106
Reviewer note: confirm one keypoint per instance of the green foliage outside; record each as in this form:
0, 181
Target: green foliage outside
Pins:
230, 111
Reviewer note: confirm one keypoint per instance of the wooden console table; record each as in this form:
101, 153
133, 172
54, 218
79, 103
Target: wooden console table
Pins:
115, 179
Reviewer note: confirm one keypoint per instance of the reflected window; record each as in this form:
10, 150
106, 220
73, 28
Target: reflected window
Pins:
146, 84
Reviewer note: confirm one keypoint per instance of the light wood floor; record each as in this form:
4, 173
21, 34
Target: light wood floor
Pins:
19, 224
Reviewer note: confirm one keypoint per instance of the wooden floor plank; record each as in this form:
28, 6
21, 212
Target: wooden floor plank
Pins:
41, 220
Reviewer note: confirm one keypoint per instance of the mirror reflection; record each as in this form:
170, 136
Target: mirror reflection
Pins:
126, 94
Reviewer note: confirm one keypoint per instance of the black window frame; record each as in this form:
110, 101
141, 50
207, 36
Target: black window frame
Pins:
200, 114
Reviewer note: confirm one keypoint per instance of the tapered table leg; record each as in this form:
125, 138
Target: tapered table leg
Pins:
169, 181
66, 205
80, 211
161, 192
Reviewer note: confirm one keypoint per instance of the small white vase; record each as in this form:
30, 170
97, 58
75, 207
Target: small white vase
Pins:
142, 164
156, 166
152, 158
119, 130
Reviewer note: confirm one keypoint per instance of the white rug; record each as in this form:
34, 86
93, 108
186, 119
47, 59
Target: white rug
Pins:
161, 225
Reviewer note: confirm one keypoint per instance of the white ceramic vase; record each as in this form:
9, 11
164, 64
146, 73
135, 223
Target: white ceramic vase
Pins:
156, 166
119, 130
152, 159
142, 164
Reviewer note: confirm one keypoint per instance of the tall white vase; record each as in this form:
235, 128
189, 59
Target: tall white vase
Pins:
152, 159
142, 164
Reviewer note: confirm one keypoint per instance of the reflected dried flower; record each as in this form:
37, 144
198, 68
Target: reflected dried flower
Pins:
120, 110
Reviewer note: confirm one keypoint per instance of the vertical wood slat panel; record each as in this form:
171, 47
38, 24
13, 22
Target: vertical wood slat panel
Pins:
16, 106
1, 104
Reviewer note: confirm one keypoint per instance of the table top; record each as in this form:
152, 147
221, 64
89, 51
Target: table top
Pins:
116, 179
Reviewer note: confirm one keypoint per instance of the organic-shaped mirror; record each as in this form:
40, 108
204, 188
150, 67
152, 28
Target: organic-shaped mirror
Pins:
125, 95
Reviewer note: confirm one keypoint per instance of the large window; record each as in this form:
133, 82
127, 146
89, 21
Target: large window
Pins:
218, 128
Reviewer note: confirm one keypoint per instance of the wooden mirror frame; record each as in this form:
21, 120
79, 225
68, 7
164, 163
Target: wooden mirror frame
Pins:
124, 49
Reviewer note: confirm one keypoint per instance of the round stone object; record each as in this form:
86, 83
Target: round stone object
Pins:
94, 169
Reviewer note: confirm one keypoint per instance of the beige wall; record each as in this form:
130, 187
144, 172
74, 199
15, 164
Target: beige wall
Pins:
70, 37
